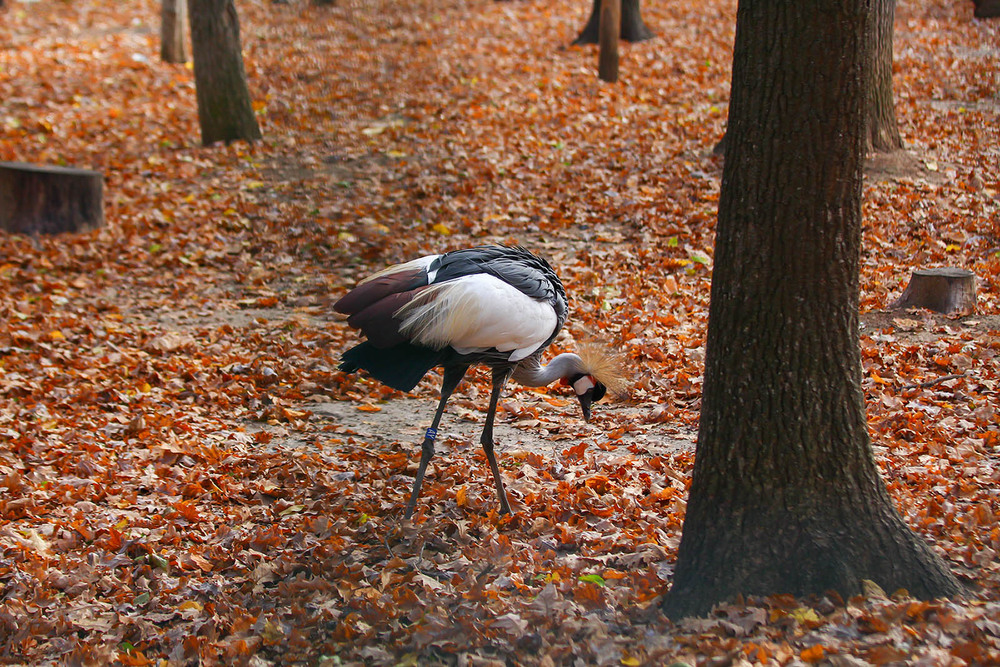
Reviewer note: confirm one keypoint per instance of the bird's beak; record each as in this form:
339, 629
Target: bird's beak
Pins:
586, 398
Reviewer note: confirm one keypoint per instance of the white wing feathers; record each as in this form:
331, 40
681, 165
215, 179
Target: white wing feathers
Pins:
475, 313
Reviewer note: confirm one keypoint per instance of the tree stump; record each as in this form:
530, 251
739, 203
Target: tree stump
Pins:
946, 290
986, 9
49, 200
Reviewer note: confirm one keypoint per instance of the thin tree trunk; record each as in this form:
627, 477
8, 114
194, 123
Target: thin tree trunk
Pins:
785, 495
224, 109
173, 19
882, 134
633, 29
607, 62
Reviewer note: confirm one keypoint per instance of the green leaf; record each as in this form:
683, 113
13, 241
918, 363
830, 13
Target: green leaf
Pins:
593, 579
159, 561
673, 242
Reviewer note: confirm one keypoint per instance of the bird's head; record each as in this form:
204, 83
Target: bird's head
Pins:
600, 372
588, 390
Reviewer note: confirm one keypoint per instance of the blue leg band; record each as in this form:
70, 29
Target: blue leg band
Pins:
431, 434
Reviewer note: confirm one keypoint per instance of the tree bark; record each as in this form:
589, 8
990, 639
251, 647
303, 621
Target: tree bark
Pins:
173, 18
785, 494
49, 200
224, 109
633, 29
607, 62
882, 131
881, 128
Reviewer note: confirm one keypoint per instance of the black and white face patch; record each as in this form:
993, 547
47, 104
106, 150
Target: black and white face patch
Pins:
583, 384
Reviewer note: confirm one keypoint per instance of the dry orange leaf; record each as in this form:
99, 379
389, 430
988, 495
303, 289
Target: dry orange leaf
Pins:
813, 654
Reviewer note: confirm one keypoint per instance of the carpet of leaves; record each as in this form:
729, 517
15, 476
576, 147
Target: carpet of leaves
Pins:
152, 512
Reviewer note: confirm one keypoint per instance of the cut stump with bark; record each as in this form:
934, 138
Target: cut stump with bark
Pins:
37, 199
946, 290
986, 9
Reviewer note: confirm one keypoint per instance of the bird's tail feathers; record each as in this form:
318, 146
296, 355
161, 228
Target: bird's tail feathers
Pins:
400, 367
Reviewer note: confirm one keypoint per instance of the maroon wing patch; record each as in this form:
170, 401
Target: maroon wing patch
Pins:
373, 291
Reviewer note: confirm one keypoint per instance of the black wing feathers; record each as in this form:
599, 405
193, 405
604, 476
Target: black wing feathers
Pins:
377, 321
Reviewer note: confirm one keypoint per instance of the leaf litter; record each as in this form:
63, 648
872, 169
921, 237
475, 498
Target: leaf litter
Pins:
185, 475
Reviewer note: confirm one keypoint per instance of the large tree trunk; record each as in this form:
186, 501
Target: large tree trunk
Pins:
881, 129
785, 495
882, 134
633, 29
224, 110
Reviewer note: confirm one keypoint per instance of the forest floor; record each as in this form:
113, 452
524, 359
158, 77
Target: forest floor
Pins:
185, 477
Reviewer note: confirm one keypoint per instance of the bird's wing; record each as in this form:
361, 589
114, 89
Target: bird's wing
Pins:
396, 279
420, 264
476, 313
514, 265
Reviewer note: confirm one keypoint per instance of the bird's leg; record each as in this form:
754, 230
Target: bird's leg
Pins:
500, 377
452, 376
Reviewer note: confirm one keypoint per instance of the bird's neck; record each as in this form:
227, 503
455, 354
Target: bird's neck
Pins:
531, 372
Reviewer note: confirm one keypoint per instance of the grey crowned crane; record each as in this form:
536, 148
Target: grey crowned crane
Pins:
495, 305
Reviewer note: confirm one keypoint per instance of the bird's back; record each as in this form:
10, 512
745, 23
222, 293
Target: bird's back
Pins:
494, 304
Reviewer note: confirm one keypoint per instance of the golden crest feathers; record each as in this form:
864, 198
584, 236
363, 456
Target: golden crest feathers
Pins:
604, 364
